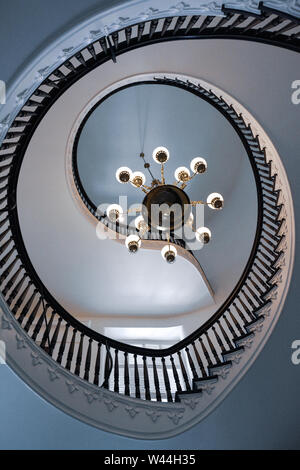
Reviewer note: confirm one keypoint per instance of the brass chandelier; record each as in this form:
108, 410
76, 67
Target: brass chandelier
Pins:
166, 207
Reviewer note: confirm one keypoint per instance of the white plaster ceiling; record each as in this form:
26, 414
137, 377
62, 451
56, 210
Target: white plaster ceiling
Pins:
91, 277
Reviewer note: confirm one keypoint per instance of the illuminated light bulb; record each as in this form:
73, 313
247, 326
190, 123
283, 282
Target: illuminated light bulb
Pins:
133, 243
198, 165
203, 235
215, 201
138, 179
182, 174
161, 155
140, 224
123, 174
169, 253
114, 212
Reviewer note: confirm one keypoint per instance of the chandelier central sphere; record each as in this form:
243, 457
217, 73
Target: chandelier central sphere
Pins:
166, 207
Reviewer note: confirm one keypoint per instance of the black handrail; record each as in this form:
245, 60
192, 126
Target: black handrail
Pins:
208, 346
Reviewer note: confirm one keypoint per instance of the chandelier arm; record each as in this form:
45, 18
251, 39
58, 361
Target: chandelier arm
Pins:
186, 182
195, 203
142, 231
142, 187
162, 170
134, 209
168, 240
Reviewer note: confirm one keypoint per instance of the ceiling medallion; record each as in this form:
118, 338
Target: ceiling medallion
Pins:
166, 207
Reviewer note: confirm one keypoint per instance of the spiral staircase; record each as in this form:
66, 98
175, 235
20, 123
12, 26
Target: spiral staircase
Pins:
137, 391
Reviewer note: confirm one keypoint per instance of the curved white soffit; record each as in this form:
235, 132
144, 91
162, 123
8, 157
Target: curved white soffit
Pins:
151, 420
104, 23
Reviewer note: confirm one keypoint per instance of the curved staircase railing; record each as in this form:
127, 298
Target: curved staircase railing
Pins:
198, 360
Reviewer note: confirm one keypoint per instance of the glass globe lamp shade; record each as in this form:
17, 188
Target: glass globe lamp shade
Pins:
114, 212
203, 235
198, 165
133, 243
182, 174
141, 224
169, 253
138, 179
123, 174
161, 155
215, 201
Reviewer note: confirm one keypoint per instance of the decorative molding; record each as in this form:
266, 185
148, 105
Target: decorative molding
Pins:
288, 6
71, 386
132, 411
154, 415
92, 396
53, 374
104, 23
222, 371
257, 326
21, 344
207, 385
35, 359
191, 402
135, 417
175, 417
208, 388
235, 357
111, 404
5, 324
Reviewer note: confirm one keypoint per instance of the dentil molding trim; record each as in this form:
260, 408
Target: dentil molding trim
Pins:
104, 23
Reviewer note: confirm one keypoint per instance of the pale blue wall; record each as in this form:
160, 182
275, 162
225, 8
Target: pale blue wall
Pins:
263, 410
